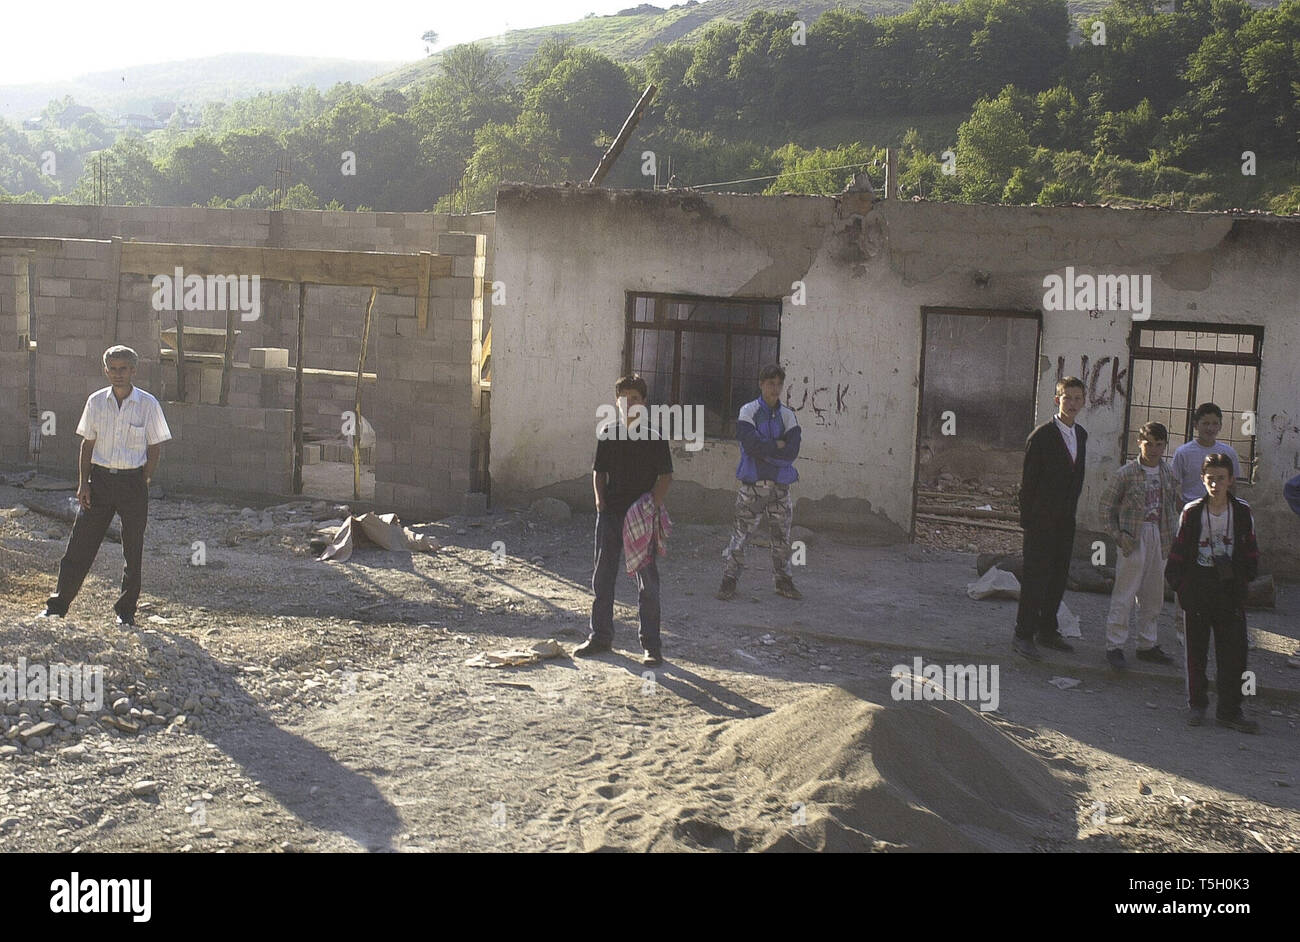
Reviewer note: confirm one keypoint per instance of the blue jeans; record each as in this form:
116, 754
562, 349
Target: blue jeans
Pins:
607, 565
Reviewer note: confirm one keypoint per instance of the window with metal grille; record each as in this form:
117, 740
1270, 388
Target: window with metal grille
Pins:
702, 351
1175, 366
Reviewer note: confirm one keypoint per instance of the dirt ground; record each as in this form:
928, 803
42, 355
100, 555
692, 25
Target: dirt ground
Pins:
281, 703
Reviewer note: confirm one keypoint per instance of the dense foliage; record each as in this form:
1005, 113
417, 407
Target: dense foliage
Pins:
987, 100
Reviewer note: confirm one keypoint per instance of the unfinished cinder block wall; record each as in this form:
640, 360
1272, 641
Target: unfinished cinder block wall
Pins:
569, 258
426, 398
80, 312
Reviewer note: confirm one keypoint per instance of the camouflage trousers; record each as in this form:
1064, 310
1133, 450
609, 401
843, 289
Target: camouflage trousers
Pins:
753, 503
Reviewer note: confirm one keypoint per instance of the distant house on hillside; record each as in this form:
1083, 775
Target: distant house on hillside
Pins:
34, 123
140, 122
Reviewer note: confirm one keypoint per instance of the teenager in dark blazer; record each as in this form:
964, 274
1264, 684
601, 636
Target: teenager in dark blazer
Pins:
1055, 455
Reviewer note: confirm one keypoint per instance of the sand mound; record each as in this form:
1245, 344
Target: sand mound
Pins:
838, 772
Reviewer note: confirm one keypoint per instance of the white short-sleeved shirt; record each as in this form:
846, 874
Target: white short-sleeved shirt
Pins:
122, 435
1188, 459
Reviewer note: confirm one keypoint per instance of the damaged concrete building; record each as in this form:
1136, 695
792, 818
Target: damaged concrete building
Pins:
917, 337
909, 330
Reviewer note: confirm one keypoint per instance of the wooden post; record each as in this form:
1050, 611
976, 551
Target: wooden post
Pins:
297, 391
180, 355
227, 359
624, 133
891, 173
356, 410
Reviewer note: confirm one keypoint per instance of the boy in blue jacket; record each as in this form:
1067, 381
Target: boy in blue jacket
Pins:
769, 443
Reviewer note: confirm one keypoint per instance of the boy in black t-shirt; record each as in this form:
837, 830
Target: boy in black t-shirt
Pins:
630, 461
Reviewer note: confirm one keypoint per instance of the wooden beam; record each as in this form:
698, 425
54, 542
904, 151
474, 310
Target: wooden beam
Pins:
318, 266
356, 412
227, 359
422, 291
117, 281
297, 391
979, 524
40, 246
180, 355
633, 119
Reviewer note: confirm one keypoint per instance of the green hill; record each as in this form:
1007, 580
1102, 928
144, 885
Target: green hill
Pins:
189, 81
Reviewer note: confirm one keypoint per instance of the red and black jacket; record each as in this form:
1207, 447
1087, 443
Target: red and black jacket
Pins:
1245, 550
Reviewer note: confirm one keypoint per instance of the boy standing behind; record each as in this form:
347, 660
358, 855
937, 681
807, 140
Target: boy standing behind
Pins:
769, 443
1055, 454
1207, 421
1140, 510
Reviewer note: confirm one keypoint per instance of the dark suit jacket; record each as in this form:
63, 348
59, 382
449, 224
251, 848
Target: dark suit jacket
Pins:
1051, 484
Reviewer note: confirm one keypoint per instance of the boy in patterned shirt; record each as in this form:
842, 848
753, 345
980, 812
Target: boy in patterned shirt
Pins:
1140, 510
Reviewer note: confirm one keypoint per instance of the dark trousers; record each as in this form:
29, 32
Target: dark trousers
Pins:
127, 496
608, 554
1047, 565
1210, 609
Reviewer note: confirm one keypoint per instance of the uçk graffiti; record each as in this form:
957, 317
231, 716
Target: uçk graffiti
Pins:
1107, 396
825, 403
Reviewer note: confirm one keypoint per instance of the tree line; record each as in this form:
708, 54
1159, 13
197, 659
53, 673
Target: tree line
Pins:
987, 100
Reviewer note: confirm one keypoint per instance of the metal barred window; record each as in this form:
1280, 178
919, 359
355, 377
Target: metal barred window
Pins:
1175, 366
707, 351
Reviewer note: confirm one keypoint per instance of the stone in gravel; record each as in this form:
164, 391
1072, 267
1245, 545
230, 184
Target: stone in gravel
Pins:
252, 800
8, 822
83, 720
550, 509
121, 706
74, 752
40, 729
803, 533
69, 713
144, 787
6, 751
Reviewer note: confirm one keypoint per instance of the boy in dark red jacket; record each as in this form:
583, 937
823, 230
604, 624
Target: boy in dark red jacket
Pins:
1212, 562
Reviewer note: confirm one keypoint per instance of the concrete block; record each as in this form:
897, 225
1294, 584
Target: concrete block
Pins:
460, 243
457, 287
262, 358
468, 266
53, 287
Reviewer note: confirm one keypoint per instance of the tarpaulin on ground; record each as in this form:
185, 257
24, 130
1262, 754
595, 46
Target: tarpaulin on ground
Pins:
382, 530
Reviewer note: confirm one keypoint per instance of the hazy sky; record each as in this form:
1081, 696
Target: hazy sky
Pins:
62, 39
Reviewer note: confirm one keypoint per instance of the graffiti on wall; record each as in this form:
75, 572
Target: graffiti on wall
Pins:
825, 400
1101, 390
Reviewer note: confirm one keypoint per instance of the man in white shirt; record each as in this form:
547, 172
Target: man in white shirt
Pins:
122, 430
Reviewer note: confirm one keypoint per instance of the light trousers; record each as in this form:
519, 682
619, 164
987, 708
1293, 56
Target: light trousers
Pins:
1140, 578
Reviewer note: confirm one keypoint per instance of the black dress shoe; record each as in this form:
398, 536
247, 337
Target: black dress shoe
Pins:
591, 647
1154, 655
651, 658
49, 614
1026, 648
1055, 642
1239, 723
